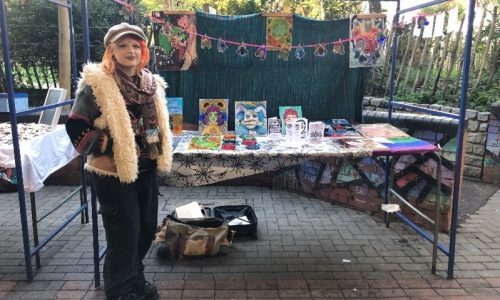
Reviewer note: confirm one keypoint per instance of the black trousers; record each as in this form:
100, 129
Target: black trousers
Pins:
129, 214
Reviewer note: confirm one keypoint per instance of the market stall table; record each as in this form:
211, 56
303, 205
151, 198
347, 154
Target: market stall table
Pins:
43, 151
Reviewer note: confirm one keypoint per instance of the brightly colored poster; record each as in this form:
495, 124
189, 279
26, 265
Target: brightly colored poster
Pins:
250, 118
367, 40
175, 41
213, 116
174, 105
278, 32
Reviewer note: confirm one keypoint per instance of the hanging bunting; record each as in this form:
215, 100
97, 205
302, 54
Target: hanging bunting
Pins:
320, 50
278, 31
261, 52
367, 40
283, 54
206, 43
300, 52
429, 28
221, 45
338, 48
175, 47
242, 50
422, 22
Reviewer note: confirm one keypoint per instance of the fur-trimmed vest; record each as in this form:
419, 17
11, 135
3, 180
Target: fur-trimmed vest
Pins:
114, 116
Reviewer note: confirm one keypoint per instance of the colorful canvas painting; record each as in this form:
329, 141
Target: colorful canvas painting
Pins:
289, 113
278, 32
174, 105
381, 130
250, 117
213, 116
175, 41
205, 143
367, 40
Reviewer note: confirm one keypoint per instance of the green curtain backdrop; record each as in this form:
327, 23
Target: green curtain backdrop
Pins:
325, 87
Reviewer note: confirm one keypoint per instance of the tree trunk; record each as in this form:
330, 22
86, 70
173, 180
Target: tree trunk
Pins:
487, 48
37, 77
26, 66
64, 48
387, 62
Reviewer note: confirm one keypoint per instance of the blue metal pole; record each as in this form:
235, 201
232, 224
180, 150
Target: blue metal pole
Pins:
85, 29
394, 52
460, 139
15, 138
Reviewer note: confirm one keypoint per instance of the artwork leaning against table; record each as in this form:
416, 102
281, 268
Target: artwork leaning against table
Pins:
213, 115
250, 118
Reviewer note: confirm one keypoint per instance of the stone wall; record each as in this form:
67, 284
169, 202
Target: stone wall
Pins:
491, 167
477, 130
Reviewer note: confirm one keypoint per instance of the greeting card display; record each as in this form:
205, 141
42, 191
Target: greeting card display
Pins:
289, 114
250, 118
303, 131
316, 132
213, 116
274, 125
174, 106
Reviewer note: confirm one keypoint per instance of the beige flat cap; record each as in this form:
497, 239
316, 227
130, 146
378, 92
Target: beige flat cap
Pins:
123, 29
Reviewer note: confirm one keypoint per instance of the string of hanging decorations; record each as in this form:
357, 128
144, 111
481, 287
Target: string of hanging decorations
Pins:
320, 49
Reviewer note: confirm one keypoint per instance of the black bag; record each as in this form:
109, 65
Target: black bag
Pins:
243, 216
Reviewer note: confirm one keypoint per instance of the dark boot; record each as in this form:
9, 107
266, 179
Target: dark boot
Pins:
147, 290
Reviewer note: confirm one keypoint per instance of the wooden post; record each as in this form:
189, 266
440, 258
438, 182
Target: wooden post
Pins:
453, 57
478, 40
64, 48
387, 58
36, 76
441, 62
26, 67
487, 48
430, 65
423, 56
410, 63
408, 45
494, 65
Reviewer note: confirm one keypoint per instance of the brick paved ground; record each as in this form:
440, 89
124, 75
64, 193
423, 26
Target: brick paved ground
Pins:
306, 249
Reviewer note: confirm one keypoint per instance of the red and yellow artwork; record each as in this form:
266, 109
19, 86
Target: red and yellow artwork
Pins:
367, 40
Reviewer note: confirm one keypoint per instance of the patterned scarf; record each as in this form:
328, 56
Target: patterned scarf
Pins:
142, 93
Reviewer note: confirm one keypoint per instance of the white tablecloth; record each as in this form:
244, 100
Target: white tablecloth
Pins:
41, 154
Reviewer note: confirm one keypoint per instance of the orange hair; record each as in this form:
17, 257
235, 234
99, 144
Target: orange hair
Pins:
109, 65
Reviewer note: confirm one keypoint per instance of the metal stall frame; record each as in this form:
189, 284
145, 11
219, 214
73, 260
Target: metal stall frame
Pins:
450, 251
29, 251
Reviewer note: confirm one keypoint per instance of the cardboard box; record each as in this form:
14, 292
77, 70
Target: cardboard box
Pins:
21, 100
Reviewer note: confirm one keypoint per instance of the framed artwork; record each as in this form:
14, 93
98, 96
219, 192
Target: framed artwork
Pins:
278, 31
367, 40
213, 116
175, 40
316, 132
289, 113
250, 117
174, 105
51, 116
274, 125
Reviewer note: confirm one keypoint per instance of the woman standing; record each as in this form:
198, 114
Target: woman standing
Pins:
120, 121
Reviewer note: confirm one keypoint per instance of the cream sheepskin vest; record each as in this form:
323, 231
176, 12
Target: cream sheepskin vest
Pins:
116, 118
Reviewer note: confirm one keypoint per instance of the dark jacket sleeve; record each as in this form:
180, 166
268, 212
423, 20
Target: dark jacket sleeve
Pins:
85, 138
